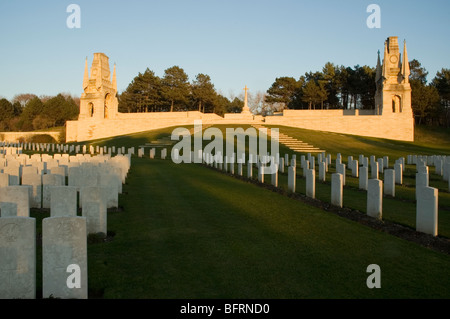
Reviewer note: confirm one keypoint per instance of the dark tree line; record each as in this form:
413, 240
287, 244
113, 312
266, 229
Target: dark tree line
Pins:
173, 92
430, 101
332, 88
27, 112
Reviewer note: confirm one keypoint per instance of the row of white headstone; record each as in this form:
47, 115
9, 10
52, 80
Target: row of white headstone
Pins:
426, 197
64, 234
7, 148
152, 152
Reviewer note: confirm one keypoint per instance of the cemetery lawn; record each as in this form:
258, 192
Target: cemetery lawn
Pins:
188, 231
400, 209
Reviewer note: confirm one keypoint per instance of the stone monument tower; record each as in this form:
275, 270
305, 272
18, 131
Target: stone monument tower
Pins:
393, 91
99, 99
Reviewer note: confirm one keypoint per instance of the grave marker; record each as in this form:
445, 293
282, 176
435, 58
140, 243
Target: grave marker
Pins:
375, 198
291, 178
337, 189
311, 183
427, 211
20, 195
17, 258
363, 177
63, 201
64, 243
389, 182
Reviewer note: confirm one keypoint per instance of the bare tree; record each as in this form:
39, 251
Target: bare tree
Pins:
23, 98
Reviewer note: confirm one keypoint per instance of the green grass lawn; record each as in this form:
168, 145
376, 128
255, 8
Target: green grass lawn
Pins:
189, 231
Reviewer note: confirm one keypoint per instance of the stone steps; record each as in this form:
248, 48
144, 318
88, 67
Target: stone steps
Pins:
293, 143
167, 141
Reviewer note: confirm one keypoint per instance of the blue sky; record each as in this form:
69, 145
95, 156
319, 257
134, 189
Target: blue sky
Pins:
237, 43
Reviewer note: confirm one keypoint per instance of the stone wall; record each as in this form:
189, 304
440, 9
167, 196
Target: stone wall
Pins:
396, 126
128, 123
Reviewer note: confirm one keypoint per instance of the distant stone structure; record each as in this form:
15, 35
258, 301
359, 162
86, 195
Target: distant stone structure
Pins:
393, 93
99, 99
391, 118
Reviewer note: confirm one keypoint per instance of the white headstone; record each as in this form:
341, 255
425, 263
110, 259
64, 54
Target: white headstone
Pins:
349, 161
366, 161
261, 173
380, 165
63, 201
293, 162
389, 182
322, 174
398, 168
232, 166
355, 168
35, 181
427, 211
274, 178
239, 169
14, 174
8, 209
340, 169
373, 159
60, 170
4, 179
338, 159
281, 165
95, 194
363, 177
311, 183
386, 161
438, 166
422, 169
374, 170
446, 171
361, 158
96, 218
64, 252
421, 181
19, 195
17, 258
49, 180
111, 184
375, 198
305, 167
29, 170
292, 178
225, 163
337, 184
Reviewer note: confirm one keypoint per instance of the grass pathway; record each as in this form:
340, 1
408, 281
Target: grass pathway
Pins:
187, 231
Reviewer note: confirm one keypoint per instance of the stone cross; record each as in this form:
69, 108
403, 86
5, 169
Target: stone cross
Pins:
245, 108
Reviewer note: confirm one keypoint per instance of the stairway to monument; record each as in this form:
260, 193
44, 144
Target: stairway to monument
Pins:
293, 143
167, 141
